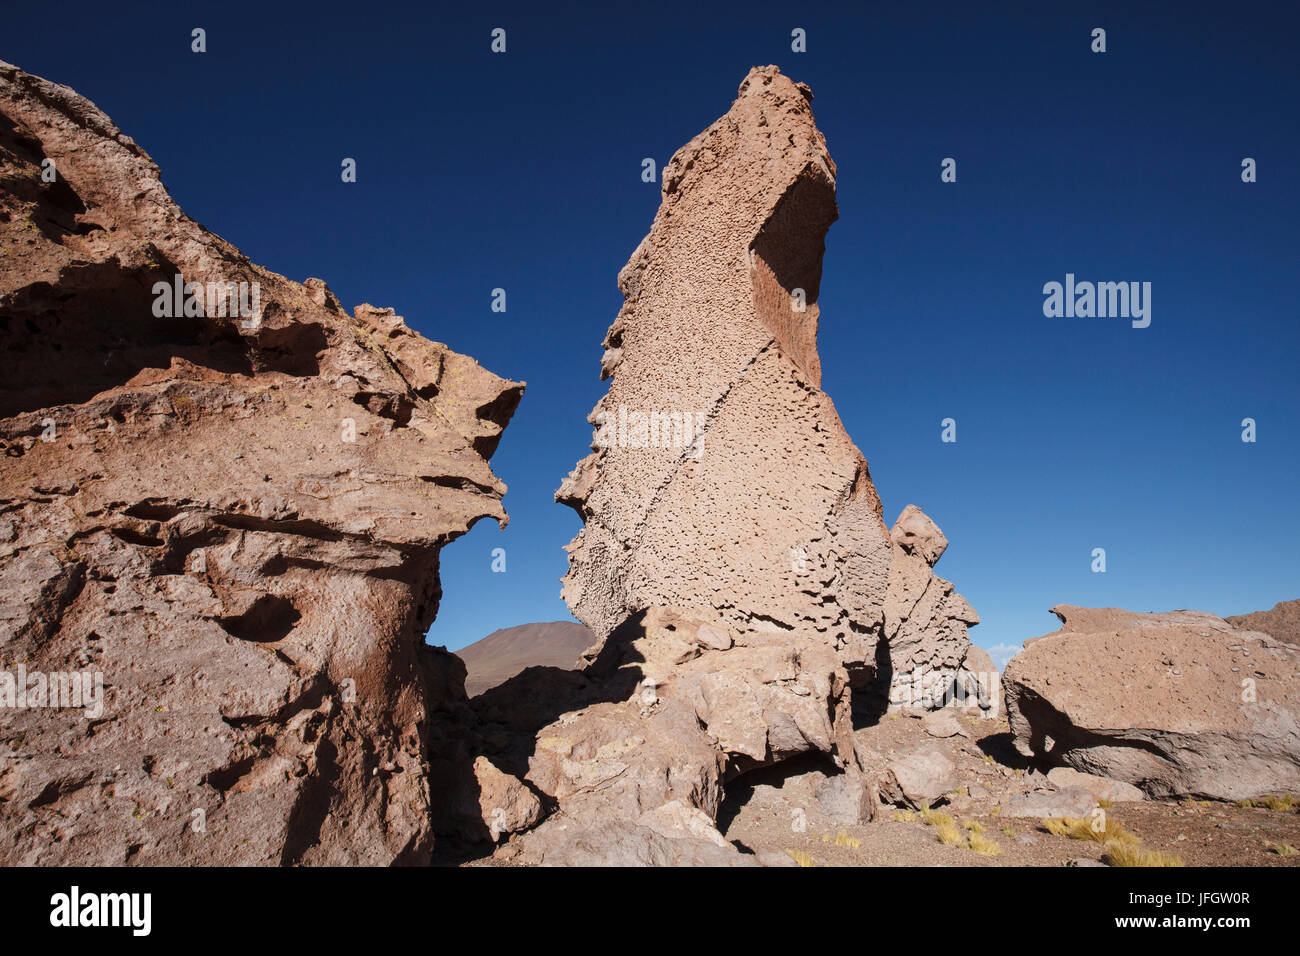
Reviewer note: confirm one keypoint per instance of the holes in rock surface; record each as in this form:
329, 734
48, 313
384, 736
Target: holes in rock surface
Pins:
789, 785
152, 511
56, 790
279, 564
136, 537
226, 777
270, 619
54, 206
95, 330
396, 408
785, 257
293, 349
455, 482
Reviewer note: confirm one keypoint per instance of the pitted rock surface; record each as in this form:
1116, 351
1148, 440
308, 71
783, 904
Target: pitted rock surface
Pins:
234, 520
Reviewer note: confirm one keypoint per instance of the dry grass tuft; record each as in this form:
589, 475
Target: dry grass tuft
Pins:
945, 827
974, 826
1283, 803
842, 839
904, 816
934, 818
1079, 829
983, 845
1130, 853
948, 833
800, 857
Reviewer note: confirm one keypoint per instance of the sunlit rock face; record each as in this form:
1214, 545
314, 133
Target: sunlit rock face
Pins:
224, 512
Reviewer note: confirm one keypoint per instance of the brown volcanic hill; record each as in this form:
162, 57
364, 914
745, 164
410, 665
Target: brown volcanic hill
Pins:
1282, 622
504, 653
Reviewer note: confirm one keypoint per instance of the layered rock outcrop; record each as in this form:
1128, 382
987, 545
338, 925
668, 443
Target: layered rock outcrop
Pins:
1176, 704
222, 497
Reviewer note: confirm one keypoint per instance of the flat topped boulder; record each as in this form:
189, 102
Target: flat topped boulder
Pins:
1175, 704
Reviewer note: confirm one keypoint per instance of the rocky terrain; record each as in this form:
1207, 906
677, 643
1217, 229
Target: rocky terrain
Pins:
222, 502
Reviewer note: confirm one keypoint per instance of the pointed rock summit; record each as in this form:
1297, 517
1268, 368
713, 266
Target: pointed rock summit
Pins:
721, 480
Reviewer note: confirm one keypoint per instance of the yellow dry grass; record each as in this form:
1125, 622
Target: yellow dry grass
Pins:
842, 839
801, 857
1100, 831
1122, 847
983, 845
1126, 853
1283, 803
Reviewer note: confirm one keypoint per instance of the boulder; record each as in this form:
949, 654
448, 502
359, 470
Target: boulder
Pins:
942, 724
1177, 704
919, 778
505, 804
845, 798
1042, 804
1102, 788
562, 840
979, 684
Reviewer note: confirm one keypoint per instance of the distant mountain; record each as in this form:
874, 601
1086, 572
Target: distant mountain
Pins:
504, 653
1282, 622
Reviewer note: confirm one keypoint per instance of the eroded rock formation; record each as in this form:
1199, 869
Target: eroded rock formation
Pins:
233, 519
722, 480
1176, 704
734, 562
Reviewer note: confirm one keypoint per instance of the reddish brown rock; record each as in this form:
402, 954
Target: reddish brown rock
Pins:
979, 684
722, 480
1281, 621
1175, 704
233, 520
505, 805
734, 563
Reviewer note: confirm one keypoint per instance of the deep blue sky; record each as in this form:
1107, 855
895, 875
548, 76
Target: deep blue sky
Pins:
523, 171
